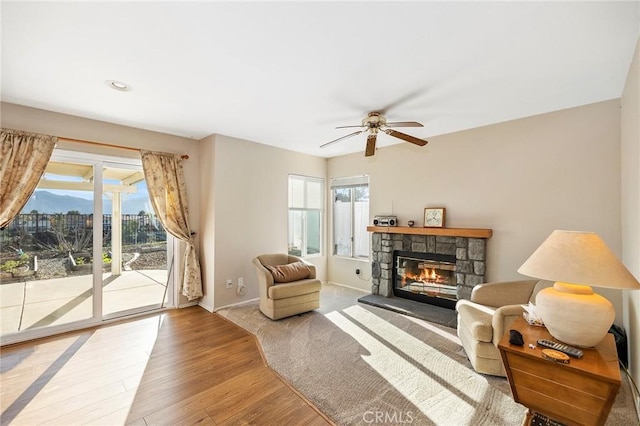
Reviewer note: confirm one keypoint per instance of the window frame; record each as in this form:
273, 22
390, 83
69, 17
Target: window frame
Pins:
351, 183
304, 245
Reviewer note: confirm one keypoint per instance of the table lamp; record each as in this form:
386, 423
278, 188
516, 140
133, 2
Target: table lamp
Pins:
570, 310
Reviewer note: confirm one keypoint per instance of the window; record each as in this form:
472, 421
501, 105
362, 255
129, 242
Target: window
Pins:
305, 215
351, 216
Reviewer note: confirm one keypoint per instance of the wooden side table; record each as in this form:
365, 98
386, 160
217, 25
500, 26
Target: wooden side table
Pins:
579, 393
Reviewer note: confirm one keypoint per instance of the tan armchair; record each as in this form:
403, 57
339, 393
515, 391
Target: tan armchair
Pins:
284, 299
483, 320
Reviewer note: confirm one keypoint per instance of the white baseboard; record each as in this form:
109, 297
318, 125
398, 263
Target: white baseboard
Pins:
348, 286
244, 302
205, 306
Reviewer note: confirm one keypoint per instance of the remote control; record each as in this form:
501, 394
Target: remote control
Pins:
569, 350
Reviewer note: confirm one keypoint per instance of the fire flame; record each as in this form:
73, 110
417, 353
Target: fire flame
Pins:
427, 276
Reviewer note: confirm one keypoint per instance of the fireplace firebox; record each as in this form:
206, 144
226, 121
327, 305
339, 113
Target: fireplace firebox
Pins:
425, 277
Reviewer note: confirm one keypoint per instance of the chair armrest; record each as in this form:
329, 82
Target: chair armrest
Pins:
502, 320
503, 293
265, 278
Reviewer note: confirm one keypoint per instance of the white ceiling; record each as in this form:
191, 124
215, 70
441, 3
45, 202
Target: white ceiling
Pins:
286, 73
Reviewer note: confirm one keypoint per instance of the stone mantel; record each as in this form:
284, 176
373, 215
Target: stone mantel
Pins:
446, 232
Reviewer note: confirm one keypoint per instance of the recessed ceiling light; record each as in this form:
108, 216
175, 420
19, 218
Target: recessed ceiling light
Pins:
118, 85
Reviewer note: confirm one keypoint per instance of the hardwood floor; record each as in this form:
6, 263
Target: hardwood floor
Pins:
180, 367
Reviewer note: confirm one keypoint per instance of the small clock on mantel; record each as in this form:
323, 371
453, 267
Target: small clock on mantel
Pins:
434, 217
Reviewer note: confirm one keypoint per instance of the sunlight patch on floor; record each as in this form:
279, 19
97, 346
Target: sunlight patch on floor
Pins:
392, 334
452, 336
407, 378
400, 339
58, 380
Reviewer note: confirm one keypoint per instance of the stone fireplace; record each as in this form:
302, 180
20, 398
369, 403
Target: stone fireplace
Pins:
443, 264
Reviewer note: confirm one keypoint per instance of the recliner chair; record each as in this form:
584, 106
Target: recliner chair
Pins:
295, 295
483, 320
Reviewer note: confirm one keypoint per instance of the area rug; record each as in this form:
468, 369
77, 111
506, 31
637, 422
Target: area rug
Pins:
363, 365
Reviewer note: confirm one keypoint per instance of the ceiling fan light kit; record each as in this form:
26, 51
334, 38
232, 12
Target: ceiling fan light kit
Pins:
375, 122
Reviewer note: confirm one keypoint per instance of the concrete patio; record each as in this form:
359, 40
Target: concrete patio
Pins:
33, 304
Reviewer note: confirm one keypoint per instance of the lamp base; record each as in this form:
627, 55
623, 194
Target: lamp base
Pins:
574, 314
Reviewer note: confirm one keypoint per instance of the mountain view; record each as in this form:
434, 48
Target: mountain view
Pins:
48, 202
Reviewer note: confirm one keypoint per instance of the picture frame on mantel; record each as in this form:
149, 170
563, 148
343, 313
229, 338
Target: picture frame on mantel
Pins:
434, 217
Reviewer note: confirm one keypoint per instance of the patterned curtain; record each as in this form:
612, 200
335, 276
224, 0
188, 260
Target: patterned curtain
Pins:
165, 181
23, 159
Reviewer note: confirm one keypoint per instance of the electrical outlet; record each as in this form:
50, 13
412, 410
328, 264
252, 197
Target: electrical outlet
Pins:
229, 283
240, 282
357, 271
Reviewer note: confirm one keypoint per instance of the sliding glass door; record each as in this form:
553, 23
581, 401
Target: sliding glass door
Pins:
46, 251
86, 247
134, 244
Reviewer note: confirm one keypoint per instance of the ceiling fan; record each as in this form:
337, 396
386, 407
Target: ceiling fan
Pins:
375, 122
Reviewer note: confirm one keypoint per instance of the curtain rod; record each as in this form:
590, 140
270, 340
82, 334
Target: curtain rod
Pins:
184, 156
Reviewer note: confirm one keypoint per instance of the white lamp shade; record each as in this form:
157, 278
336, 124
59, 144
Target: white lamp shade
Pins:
578, 258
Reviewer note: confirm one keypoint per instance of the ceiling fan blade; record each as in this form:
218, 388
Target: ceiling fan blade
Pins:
404, 124
339, 139
371, 145
348, 127
405, 137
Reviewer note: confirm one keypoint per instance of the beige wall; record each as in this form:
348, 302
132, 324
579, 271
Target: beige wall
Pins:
522, 178
630, 125
62, 125
247, 183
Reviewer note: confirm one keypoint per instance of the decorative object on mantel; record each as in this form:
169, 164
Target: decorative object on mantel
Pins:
385, 220
570, 310
434, 217
411, 223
